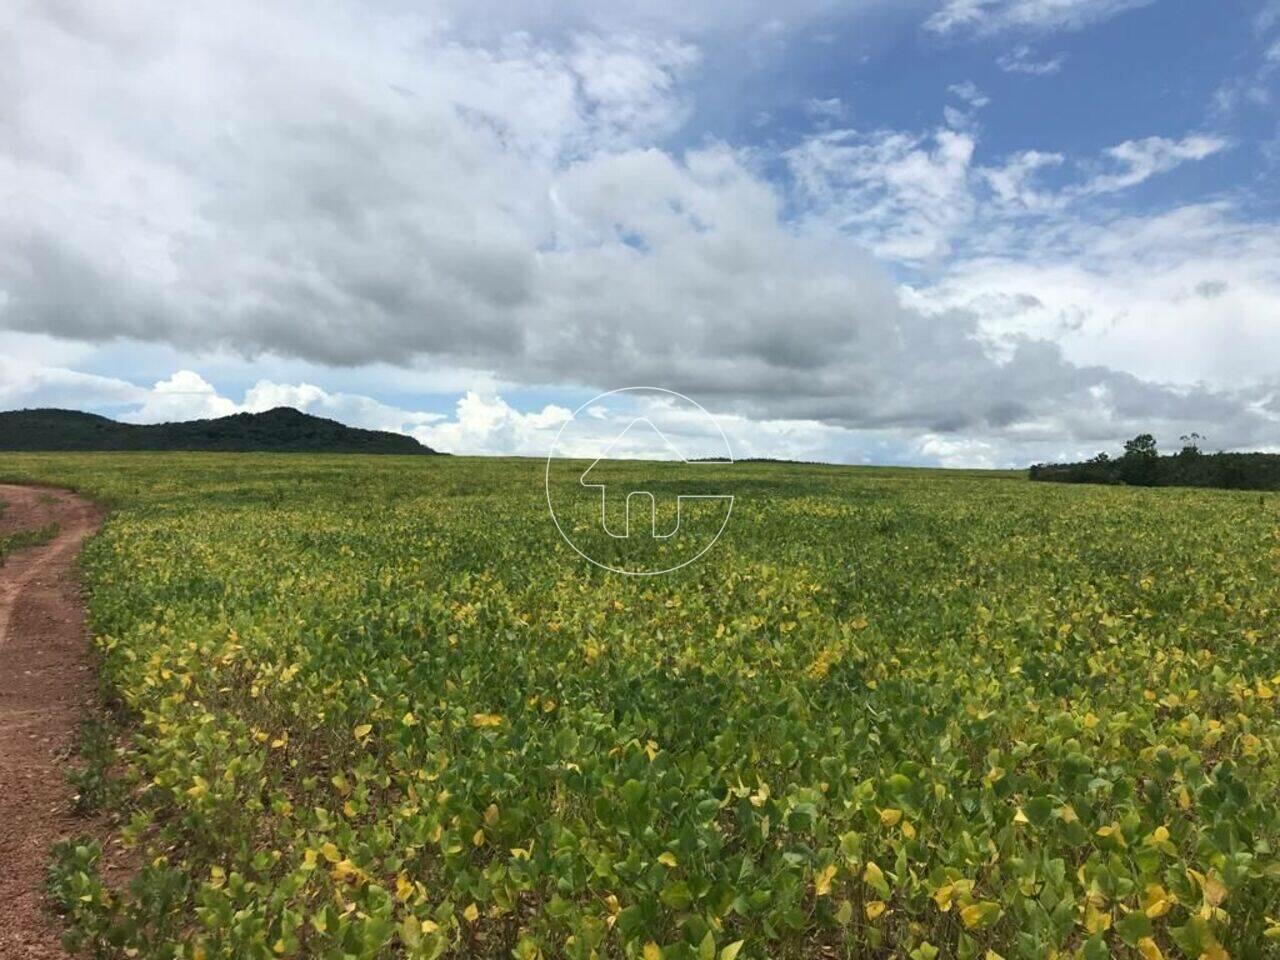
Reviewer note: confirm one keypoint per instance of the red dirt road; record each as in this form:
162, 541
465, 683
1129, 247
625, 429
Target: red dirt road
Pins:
46, 685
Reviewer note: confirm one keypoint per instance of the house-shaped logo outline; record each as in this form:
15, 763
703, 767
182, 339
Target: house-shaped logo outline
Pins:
653, 504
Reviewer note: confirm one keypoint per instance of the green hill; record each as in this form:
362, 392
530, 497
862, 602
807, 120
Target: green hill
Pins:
282, 430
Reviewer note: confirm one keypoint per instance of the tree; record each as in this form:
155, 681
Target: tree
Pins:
1140, 462
1143, 445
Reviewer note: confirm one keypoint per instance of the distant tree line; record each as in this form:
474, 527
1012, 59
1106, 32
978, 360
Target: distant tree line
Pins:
1141, 465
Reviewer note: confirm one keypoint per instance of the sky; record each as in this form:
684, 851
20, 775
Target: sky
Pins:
938, 232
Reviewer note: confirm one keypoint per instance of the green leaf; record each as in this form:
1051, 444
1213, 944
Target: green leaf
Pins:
676, 895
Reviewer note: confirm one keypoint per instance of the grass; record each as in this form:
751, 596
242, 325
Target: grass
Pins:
21, 539
378, 708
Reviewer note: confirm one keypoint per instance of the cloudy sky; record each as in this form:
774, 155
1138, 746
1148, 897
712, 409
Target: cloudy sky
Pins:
959, 232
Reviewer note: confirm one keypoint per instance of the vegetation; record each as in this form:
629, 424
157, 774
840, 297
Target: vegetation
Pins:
1142, 466
378, 708
282, 430
20, 539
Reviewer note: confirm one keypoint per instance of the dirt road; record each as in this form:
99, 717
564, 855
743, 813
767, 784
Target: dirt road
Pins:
46, 684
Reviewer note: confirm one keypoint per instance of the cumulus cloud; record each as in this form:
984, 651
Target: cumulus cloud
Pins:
1185, 296
184, 396
490, 425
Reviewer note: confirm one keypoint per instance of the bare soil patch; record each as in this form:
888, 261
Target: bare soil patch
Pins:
46, 686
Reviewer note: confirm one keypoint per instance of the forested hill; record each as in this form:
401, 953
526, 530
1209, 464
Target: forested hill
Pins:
282, 430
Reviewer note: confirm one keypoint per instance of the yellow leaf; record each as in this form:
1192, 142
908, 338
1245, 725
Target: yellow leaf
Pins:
890, 816
1112, 831
486, 720
430, 926
491, 814
943, 895
1019, 816
822, 880
404, 888
1095, 920
668, 859
652, 951
409, 720
908, 830
362, 731
1215, 890
1148, 949
331, 853
1155, 901
472, 913
731, 951
981, 914
873, 875
874, 909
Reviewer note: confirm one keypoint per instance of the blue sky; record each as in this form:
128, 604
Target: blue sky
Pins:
958, 232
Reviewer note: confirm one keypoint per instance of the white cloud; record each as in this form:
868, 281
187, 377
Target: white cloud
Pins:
968, 92
28, 380
959, 452
904, 195
1140, 160
1021, 59
1185, 296
1012, 183
489, 425
964, 117
915, 198
990, 16
184, 396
